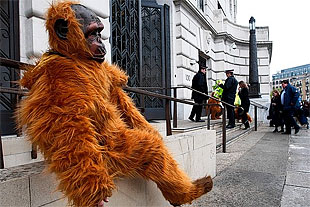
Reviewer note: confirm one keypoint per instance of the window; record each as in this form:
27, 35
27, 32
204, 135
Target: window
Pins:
201, 4
220, 7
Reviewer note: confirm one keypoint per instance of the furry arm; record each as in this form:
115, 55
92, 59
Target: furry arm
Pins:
130, 113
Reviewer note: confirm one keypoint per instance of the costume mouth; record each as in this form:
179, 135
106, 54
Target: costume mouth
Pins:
99, 58
99, 54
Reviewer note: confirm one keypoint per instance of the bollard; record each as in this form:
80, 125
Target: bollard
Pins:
209, 121
168, 121
255, 118
175, 112
1, 154
224, 128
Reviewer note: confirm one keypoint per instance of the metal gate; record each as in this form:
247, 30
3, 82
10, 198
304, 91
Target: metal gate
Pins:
141, 46
9, 48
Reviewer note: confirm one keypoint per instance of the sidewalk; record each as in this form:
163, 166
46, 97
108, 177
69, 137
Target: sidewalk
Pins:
263, 169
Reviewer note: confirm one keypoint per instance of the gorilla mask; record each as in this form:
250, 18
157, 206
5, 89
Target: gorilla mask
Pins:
91, 27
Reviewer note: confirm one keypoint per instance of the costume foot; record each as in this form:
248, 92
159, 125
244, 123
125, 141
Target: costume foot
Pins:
200, 186
205, 183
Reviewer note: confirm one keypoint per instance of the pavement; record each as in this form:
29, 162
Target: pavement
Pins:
262, 168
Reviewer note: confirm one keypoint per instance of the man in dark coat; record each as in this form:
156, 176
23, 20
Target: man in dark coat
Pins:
289, 100
229, 95
199, 83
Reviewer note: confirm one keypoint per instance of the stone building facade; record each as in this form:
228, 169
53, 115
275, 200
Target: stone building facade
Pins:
199, 32
298, 76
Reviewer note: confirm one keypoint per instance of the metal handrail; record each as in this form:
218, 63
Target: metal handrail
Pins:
258, 105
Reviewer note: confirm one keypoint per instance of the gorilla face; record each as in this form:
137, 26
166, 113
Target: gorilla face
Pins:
94, 41
91, 27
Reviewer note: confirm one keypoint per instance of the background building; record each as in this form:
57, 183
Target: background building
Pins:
159, 43
298, 76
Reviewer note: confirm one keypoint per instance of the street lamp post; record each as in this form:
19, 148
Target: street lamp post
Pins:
254, 89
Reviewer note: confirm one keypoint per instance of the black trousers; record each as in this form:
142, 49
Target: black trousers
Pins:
244, 115
231, 113
289, 120
196, 110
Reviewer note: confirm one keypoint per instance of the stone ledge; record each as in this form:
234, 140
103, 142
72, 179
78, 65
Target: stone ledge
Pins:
30, 185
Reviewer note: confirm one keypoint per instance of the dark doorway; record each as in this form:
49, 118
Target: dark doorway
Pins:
141, 46
9, 48
155, 55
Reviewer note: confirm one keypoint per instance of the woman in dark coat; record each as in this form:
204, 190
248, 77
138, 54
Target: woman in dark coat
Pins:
245, 102
276, 111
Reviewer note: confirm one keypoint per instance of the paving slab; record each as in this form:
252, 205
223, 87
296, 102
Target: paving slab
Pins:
298, 178
294, 196
296, 191
256, 174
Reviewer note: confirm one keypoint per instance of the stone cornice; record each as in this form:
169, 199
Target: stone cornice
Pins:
222, 35
196, 13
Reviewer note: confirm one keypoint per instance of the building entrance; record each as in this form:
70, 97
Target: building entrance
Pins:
141, 46
9, 48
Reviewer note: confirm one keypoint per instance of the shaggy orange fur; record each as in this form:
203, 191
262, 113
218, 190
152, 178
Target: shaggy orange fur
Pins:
215, 110
239, 117
88, 129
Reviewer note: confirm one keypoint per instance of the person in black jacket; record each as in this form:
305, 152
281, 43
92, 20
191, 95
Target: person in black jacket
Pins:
245, 103
290, 103
276, 111
199, 83
229, 95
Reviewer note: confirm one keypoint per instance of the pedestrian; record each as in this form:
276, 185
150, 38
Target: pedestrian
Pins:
290, 103
276, 111
245, 103
228, 96
199, 83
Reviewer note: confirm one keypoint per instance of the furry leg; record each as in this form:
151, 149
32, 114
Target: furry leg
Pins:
149, 157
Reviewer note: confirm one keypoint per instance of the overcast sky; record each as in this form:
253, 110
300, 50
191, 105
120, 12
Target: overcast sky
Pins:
289, 28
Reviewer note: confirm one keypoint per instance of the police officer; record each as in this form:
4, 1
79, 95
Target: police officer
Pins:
229, 95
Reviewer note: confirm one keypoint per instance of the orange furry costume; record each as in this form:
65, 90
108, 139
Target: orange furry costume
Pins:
88, 129
238, 117
215, 110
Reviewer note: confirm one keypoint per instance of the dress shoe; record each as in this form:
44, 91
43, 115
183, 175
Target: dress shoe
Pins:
229, 126
247, 125
200, 120
286, 133
297, 130
190, 118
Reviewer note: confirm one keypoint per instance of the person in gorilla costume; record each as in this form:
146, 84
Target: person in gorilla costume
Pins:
87, 128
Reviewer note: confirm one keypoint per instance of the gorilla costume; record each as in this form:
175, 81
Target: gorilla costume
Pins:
87, 128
